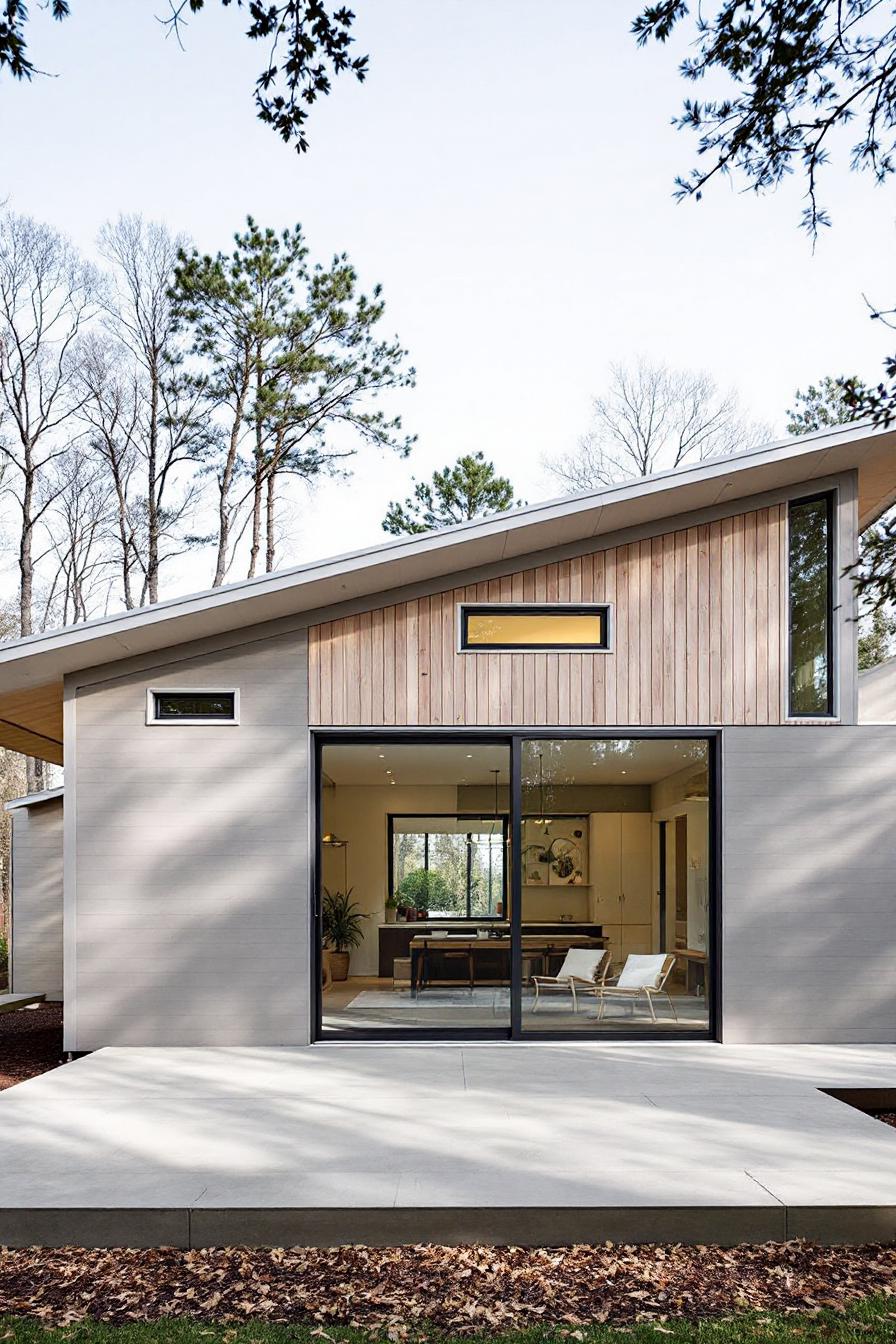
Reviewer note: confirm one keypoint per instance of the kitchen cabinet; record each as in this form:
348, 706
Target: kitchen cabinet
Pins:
620, 853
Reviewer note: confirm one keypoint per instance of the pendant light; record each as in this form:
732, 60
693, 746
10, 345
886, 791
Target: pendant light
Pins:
542, 820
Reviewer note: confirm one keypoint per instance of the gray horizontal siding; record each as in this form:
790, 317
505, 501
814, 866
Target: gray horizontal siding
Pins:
191, 858
809, 884
36, 942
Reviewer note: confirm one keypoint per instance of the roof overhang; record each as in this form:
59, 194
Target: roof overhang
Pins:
34, 799
41, 661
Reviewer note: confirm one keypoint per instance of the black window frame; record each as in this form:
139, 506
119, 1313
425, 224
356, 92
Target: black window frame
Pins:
156, 715
828, 497
466, 609
513, 737
504, 818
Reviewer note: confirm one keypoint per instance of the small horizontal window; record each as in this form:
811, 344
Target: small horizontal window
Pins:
535, 626
192, 706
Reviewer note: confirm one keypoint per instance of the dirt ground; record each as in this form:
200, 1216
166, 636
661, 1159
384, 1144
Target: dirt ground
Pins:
30, 1042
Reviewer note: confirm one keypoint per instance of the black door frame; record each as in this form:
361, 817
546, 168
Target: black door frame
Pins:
513, 739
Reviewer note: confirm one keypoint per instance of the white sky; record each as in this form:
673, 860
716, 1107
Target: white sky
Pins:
509, 184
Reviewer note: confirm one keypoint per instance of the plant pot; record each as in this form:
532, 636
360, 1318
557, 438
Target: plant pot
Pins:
390, 914
423, 914
339, 965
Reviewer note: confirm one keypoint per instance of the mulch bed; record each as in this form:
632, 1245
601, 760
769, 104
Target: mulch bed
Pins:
888, 1117
465, 1290
30, 1042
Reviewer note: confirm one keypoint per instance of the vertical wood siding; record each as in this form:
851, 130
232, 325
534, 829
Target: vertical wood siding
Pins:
698, 630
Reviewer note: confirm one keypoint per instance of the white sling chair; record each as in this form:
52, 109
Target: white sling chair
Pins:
582, 966
641, 974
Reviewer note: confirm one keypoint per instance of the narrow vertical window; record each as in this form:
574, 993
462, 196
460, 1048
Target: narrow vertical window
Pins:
810, 574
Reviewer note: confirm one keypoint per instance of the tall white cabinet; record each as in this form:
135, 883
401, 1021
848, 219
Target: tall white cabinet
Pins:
620, 855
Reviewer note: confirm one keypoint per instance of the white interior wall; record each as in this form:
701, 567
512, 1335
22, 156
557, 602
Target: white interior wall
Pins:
358, 814
669, 801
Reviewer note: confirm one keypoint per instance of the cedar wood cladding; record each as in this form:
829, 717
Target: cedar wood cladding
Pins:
698, 638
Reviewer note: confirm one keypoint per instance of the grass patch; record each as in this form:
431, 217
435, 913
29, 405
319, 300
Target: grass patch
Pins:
871, 1320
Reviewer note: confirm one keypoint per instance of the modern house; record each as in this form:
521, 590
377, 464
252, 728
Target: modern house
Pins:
616, 727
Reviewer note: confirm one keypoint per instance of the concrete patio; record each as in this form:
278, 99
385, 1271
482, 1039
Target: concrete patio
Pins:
534, 1144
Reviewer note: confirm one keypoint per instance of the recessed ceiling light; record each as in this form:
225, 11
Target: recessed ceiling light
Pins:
382, 755
391, 781
625, 772
388, 772
469, 755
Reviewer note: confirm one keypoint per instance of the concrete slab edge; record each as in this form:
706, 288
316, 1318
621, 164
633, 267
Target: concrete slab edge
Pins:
195, 1228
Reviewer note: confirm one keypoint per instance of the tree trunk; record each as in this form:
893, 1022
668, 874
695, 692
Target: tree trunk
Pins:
225, 482
257, 502
124, 539
258, 481
26, 558
270, 523
152, 503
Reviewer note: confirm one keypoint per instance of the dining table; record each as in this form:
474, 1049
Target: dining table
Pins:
536, 947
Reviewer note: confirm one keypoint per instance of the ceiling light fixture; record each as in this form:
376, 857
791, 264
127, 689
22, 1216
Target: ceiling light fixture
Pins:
542, 820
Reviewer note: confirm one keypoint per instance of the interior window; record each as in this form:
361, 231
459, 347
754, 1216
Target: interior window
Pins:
451, 867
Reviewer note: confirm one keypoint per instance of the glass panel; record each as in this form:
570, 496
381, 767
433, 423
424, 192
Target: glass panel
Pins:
484, 628
449, 866
615, 885
421, 961
810, 607
190, 705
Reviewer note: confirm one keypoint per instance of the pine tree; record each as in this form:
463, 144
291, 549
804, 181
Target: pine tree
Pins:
470, 489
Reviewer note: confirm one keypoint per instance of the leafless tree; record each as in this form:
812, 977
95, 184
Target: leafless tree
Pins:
47, 294
78, 527
654, 418
172, 429
112, 413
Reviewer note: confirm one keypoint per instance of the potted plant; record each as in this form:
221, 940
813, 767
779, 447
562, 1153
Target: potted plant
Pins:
422, 889
342, 929
391, 908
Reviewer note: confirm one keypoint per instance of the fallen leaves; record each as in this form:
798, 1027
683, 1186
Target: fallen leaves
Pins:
400, 1292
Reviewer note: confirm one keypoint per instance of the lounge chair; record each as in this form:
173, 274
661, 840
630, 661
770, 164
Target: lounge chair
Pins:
583, 967
641, 974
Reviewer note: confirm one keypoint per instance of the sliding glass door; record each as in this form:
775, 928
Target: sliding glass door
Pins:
414, 911
520, 885
607, 827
